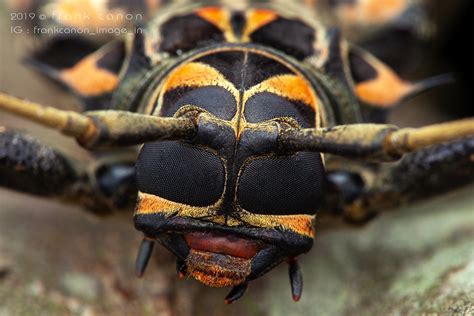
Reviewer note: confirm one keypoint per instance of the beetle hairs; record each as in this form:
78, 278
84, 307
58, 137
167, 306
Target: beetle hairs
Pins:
144, 254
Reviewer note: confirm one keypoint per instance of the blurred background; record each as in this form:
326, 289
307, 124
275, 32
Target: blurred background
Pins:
57, 260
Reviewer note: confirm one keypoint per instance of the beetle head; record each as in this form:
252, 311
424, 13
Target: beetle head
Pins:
230, 203
230, 207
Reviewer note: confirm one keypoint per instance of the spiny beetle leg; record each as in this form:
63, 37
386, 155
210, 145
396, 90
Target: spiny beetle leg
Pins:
29, 166
236, 293
296, 279
144, 253
181, 268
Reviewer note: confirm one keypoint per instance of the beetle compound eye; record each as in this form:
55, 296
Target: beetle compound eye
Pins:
282, 185
180, 173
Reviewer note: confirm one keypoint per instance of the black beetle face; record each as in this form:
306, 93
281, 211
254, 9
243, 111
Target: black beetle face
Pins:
228, 203
229, 210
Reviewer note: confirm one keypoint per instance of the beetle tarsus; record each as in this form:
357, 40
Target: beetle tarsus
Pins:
236, 293
144, 253
296, 279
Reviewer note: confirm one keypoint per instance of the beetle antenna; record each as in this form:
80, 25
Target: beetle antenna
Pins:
375, 142
236, 293
144, 253
95, 129
296, 279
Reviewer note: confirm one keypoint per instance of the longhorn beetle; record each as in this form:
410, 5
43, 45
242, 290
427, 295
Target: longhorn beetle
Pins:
243, 120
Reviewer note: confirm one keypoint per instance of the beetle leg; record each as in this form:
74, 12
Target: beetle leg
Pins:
115, 180
27, 165
418, 175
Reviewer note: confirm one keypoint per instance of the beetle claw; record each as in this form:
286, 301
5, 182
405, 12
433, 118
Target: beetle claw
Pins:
236, 293
296, 279
144, 253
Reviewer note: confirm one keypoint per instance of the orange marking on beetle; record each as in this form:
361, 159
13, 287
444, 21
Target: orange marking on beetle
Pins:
220, 18
197, 74
371, 11
385, 90
382, 11
301, 224
256, 18
152, 204
88, 79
